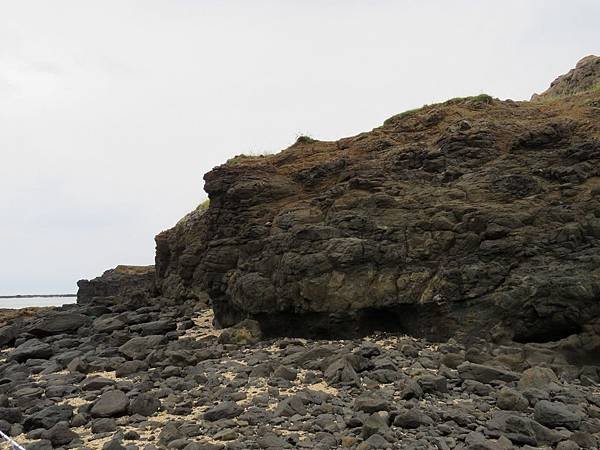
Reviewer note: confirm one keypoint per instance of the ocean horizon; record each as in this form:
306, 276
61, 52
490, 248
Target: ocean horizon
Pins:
35, 302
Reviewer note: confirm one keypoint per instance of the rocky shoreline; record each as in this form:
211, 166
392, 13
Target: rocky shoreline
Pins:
150, 373
432, 284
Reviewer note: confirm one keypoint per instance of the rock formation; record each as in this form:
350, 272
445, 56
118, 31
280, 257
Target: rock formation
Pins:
122, 280
585, 77
476, 216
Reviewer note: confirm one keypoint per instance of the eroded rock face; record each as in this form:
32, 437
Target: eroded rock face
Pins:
120, 281
476, 216
583, 78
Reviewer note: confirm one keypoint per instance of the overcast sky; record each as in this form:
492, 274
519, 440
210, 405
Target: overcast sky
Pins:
112, 111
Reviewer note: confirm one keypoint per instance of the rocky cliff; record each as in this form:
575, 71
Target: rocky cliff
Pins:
475, 216
130, 281
585, 77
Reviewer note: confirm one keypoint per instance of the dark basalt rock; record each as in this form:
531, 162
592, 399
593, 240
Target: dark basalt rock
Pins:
32, 348
48, 417
557, 414
224, 410
8, 334
62, 322
584, 77
475, 217
110, 404
120, 281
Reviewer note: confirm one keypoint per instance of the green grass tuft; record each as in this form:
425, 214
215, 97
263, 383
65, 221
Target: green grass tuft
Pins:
245, 156
402, 115
203, 206
481, 98
305, 139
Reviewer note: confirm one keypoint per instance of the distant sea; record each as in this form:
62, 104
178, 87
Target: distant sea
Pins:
28, 302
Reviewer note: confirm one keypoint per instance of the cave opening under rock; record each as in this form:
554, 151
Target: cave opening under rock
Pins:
428, 321
546, 332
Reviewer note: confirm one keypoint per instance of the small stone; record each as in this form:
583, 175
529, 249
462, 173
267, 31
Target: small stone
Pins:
511, 400
224, 410
375, 441
341, 372
412, 418
130, 367
60, 434
453, 360
141, 346
433, 383
246, 332
370, 404
96, 383
568, 445
42, 444
375, 424
412, 389
144, 405
104, 425
131, 435
226, 435
286, 373
48, 417
11, 415
556, 414
290, 406
271, 441
113, 445
110, 404
538, 377
169, 433
485, 374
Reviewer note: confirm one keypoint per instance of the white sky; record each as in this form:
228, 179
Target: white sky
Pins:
112, 111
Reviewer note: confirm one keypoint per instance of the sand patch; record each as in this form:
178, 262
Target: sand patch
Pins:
75, 402
109, 375
203, 326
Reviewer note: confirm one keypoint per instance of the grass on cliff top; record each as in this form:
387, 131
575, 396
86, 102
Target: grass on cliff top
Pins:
473, 99
305, 139
238, 159
547, 98
481, 98
203, 206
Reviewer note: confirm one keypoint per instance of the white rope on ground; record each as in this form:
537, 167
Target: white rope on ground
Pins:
12, 443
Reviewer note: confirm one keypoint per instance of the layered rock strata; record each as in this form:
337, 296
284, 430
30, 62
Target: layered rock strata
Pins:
476, 216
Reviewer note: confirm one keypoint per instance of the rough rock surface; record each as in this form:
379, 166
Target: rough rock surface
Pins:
122, 280
584, 77
191, 391
476, 216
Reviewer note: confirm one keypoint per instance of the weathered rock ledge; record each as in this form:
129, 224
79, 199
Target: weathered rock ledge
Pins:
474, 217
475, 222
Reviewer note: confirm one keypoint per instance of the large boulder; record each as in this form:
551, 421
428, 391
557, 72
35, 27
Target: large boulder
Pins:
141, 346
557, 414
57, 323
474, 216
48, 417
32, 348
8, 334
